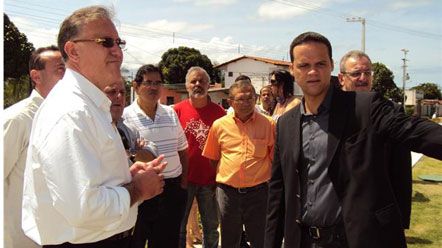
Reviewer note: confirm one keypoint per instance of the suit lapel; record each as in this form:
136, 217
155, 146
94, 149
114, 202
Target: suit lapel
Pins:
336, 124
294, 138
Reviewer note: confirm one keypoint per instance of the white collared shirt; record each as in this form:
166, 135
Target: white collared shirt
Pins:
17, 123
75, 167
165, 131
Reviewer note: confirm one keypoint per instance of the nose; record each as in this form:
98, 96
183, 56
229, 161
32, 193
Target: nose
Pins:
117, 52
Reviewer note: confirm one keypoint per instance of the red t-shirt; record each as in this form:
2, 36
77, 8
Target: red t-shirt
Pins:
196, 124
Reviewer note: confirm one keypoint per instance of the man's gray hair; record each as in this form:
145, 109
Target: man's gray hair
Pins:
197, 68
355, 54
72, 25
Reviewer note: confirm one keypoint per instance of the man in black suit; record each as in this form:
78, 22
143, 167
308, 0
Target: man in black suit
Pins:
330, 184
356, 74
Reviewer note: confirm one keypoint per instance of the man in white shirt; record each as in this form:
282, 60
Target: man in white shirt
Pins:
78, 191
45, 68
159, 219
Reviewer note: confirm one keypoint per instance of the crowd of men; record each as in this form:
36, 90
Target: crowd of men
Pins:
83, 170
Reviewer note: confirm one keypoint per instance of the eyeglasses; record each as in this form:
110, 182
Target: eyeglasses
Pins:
151, 83
106, 42
357, 74
273, 82
244, 100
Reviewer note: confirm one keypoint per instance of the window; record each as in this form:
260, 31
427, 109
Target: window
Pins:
230, 74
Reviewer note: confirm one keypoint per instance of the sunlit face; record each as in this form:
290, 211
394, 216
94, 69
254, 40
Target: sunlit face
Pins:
266, 96
312, 68
243, 102
276, 87
149, 91
99, 64
53, 71
116, 92
358, 75
197, 85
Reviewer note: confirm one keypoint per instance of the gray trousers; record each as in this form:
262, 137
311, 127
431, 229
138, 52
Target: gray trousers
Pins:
242, 207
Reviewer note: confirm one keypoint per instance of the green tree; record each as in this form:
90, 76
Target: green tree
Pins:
17, 51
430, 90
176, 61
383, 83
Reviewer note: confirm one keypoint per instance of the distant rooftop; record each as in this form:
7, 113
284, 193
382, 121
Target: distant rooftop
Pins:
265, 60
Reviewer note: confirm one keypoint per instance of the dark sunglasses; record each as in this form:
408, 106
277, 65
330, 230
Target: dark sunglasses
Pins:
106, 42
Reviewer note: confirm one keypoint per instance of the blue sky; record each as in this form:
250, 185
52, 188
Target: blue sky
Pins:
228, 29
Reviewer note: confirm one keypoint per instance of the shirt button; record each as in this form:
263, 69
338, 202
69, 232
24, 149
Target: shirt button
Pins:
297, 172
311, 181
297, 195
298, 221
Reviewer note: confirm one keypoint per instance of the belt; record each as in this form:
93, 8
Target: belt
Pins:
244, 190
121, 235
325, 235
173, 180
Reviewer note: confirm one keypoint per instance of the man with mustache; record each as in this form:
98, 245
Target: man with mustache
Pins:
159, 219
240, 147
78, 189
196, 115
356, 74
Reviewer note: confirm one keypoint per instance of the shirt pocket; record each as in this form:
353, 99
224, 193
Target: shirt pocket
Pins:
260, 148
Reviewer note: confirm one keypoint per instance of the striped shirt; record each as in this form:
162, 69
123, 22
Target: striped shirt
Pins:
165, 131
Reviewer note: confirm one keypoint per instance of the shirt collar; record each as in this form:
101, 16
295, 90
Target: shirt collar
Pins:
89, 89
325, 105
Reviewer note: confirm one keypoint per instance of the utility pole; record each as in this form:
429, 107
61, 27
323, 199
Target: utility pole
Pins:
405, 76
361, 20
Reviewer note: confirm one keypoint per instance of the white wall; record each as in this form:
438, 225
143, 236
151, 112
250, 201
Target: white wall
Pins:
258, 72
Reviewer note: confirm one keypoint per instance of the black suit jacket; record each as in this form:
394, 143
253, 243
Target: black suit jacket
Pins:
360, 124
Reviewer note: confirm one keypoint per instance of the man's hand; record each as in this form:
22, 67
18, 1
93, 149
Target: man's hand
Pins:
147, 181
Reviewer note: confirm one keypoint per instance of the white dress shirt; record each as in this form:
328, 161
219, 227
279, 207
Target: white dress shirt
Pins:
75, 167
17, 123
165, 131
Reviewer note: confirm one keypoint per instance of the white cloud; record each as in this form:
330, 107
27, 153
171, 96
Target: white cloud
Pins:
279, 10
183, 27
37, 35
208, 2
407, 4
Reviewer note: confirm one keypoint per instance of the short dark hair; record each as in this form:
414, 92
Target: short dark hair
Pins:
242, 81
37, 63
71, 26
310, 37
149, 68
285, 79
242, 77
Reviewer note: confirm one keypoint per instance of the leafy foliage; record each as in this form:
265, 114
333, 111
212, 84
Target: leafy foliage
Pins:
176, 61
17, 51
430, 90
383, 82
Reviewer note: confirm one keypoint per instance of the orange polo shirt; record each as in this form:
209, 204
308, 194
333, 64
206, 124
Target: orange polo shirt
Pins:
244, 150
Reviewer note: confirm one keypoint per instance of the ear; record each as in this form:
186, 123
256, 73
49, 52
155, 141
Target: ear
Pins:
291, 69
341, 79
230, 101
332, 65
35, 76
71, 50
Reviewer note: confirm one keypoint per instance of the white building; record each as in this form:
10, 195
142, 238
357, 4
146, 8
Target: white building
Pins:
258, 69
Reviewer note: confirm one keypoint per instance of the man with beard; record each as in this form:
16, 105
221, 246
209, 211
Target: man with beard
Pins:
159, 219
240, 147
196, 115
356, 74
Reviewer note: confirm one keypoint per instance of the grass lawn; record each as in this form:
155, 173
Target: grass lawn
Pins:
426, 214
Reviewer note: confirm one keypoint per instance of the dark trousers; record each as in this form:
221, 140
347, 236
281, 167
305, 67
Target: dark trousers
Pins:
238, 208
159, 218
107, 243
